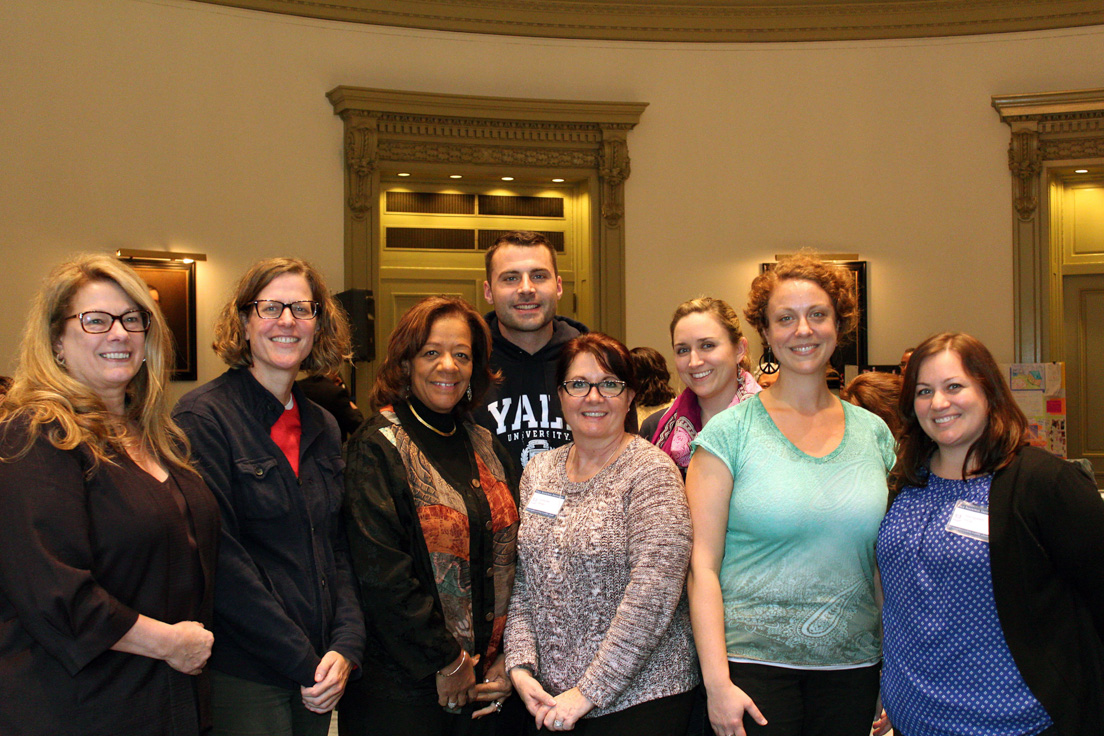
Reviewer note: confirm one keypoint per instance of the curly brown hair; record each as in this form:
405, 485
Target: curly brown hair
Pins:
1004, 434
836, 282
393, 378
332, 341
878, 393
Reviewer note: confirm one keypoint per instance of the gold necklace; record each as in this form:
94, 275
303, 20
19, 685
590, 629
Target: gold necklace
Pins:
449, 433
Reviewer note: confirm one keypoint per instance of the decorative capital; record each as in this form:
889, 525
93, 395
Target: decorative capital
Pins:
361, 158
1025, 162
613, 170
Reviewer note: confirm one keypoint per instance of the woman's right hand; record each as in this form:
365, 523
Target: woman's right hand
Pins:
452, 690
537, 701
189, 647
727, 706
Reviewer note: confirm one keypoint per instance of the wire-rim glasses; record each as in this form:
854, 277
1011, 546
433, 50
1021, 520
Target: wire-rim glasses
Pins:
579, 388
97, 323
271, 309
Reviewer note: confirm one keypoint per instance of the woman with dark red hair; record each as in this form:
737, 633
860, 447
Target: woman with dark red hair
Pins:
991, 557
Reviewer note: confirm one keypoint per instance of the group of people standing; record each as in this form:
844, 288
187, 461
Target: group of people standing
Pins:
497, 550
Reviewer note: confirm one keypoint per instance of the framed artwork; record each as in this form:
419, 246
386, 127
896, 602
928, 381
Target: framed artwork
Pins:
172, 285
855, 351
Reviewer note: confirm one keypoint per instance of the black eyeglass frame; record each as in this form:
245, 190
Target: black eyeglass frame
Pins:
592, 386
256, 304
79, 316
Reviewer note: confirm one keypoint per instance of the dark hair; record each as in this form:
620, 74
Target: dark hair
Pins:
611, 354
878, 393
393, 379
1004, 434
653, 377
524, 239
836, 282
719, 310
332, 339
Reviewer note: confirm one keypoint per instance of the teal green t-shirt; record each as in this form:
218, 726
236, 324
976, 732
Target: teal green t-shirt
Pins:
798, 571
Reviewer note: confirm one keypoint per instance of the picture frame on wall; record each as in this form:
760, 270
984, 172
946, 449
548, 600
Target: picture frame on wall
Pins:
854, 352
172, 285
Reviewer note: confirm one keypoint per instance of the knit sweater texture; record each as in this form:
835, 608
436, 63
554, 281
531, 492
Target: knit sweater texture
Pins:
598, 600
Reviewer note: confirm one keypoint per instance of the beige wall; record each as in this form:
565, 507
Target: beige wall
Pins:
172, 124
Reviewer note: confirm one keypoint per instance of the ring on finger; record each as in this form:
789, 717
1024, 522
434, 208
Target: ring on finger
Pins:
558, 724
498, 705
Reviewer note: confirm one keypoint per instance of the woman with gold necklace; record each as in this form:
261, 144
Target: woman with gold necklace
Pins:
432, 512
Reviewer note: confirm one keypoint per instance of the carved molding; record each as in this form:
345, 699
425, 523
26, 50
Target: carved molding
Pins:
400, 151
701, 20
1025, 162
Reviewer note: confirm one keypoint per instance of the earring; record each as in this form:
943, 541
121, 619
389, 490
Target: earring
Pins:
469, 392
767, 363
59, 359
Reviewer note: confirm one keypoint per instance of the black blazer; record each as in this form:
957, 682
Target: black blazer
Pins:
1046, 548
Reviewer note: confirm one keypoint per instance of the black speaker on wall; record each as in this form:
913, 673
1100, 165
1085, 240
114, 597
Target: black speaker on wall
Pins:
360, 305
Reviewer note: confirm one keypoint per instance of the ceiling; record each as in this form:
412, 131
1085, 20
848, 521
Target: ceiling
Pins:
702, 20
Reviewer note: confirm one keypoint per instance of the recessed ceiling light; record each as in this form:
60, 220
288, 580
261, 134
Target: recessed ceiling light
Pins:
507, 178
558, 181
404, 174
1081, 171
455, 176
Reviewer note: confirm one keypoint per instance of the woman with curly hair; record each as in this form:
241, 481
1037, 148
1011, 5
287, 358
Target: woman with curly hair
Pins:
786, 491
107, 535
287, 622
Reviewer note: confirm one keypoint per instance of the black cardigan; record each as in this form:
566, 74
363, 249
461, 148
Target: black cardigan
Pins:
1046, 532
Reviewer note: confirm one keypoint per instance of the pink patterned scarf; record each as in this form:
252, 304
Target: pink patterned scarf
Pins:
682, 421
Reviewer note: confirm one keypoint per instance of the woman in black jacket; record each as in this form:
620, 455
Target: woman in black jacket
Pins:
991, 557
433, 520
288, 628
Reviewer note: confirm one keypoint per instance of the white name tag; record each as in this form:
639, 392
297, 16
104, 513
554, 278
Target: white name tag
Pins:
970, 520
545, 503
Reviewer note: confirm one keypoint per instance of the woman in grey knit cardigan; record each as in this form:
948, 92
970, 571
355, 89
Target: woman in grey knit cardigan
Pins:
598, 635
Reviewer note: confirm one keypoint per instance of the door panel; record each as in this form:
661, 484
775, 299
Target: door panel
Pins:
1083, 298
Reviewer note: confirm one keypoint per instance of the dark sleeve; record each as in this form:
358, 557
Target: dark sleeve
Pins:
347, 630
245, 607
650, 424
398, 603
46, 558
1070, 523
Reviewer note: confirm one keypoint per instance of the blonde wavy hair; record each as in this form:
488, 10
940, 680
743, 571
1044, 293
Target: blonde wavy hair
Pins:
45, 396
332, 341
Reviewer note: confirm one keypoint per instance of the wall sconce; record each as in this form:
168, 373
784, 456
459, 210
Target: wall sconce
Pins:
160, 255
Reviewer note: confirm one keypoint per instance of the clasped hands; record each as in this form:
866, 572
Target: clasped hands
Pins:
559, 713
459, 689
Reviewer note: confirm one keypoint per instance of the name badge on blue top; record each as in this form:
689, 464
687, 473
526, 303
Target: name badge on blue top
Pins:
545, 504
970, 520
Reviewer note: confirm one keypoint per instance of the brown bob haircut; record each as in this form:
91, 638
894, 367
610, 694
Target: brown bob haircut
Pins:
393, 379
652, 375
1004, 434
524, 239
879, 393
611, 354
331, 336
805, 266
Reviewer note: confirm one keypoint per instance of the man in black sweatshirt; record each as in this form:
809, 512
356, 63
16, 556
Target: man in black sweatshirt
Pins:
524, 287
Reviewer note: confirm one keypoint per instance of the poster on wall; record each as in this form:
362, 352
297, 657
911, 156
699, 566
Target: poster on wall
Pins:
1040, 391
172, 286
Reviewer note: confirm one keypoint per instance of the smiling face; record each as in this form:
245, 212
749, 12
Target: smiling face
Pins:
442, 368
594, 416
801, 326
104, 362
279, 346
705, 357
950, 406
524, 291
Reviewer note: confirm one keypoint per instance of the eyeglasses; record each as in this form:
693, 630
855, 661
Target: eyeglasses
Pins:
580, 388
96, 323
269, 309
